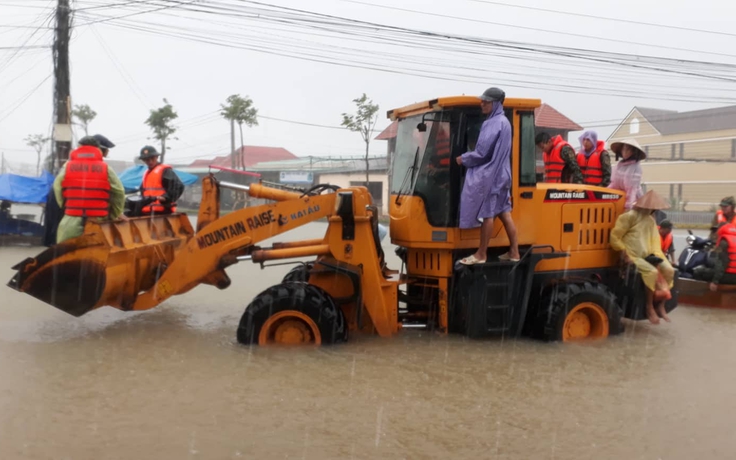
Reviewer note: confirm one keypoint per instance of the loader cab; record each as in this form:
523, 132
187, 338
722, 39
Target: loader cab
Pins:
426, 181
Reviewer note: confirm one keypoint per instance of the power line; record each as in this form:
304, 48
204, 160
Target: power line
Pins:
25, 47
176, 5
343, 62
535, 29
590, 16
123, 73
11, 109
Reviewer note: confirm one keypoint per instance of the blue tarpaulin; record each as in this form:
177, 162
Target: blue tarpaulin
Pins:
133, 177
22, 189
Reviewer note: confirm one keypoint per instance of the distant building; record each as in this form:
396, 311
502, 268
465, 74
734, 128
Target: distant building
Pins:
249, 155
549, 120
343, 172
691, 156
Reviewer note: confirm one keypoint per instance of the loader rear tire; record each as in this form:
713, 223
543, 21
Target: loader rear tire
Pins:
298, 273
292, 313
574, 312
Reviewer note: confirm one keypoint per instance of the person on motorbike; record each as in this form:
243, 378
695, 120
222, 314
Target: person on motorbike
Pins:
668, 245
727, 214
724, 264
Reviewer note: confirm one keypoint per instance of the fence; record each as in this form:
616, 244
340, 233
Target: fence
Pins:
692, 203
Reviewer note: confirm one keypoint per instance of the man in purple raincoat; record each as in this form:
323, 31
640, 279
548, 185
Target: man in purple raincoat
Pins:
487, 190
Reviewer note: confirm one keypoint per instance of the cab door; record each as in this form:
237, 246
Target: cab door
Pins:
524, 194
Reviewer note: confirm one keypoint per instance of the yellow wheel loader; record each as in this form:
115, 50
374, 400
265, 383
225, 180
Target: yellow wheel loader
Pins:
569, 284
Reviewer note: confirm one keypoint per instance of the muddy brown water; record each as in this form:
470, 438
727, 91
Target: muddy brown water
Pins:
172, 383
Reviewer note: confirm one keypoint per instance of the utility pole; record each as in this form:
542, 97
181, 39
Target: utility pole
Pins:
62, 97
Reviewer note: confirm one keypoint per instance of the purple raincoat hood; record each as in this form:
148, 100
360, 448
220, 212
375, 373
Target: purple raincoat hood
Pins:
592, 136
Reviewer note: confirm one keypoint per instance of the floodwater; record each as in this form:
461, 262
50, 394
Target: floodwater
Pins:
172, 383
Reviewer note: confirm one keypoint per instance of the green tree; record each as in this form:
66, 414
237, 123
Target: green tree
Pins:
363, 122
161, 123
241, 111
37, 142
84, 114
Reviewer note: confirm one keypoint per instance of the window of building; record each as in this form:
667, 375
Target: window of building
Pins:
634, 126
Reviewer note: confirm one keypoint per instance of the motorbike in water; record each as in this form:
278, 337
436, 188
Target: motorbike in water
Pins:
696, 255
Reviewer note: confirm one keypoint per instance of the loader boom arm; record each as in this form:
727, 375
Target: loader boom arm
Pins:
220, 240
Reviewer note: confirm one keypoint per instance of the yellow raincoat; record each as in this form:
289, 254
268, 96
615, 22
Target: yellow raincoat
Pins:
636, 233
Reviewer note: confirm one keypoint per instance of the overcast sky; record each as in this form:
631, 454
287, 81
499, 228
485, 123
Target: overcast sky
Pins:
123, 73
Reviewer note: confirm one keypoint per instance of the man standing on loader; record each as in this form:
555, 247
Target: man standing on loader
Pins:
160, 183
487, 189
86, 187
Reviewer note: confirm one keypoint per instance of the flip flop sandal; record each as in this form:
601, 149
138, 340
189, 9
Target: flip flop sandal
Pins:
471, 261
506, 257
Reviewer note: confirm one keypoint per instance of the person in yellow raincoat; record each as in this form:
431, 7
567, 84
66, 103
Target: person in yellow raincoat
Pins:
637, 237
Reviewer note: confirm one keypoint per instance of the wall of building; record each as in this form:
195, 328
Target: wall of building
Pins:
704, 145
698, 185
634, 126
345, 179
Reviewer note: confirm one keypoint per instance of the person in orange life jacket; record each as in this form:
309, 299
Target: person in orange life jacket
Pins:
53, 213
560, 161
724, 264
86, 189
668, 245
594, 160
439, 151
159, 182
725, 215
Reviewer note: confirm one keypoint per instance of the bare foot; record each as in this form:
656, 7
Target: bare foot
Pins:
663, 313
652, 315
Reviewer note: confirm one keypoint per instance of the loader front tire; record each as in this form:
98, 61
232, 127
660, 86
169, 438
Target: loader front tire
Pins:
292, 313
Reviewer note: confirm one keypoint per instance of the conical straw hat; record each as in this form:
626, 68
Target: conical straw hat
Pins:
617, 146
651, 200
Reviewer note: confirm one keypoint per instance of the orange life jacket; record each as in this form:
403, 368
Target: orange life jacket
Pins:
728, 233
666, 242
553, 163
442, 146
86, 187
153, 186
591, 166
722, 218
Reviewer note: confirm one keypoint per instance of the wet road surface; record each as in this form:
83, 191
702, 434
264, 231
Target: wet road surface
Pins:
172, 383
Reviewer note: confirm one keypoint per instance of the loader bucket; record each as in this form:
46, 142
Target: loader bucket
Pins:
109, 265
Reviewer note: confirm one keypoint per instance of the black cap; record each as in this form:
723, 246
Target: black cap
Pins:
104, 142
89, 140
148, 152
493, 95
728, 201
666, 224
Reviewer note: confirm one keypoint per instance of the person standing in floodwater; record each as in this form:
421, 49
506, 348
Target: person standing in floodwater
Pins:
487, 190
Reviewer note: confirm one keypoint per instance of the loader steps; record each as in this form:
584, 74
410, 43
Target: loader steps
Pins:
491, 299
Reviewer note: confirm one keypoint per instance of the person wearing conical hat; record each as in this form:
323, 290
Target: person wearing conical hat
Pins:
637, 237
627, 173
